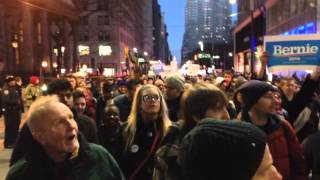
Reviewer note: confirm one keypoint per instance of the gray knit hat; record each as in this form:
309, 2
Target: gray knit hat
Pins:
220, 149
176, 81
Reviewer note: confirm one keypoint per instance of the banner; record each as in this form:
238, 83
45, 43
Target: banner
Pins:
193, 69
293, 53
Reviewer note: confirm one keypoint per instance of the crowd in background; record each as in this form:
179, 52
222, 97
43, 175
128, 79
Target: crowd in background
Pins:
176, 127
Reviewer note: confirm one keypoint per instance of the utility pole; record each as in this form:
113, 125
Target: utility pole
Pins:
252, 37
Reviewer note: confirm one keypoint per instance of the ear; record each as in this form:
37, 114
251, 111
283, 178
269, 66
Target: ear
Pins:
39, 137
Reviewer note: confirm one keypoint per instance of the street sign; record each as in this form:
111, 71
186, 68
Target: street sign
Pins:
204, 56
293, 53
141, 60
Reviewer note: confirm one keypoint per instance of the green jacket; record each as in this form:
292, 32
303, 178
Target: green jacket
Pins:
92, 163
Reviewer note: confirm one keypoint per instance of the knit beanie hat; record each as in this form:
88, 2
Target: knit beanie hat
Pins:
252, 91
34, 80
220, 149
176, 81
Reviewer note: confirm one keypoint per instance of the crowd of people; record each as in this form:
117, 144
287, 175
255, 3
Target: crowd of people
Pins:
164, 128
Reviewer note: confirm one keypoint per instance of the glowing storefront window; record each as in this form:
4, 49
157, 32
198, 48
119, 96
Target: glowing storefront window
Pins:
105, 50
84, 50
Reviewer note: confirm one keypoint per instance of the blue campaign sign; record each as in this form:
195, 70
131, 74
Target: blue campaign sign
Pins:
290, 53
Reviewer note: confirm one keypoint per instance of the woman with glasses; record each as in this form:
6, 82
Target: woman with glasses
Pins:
147, 124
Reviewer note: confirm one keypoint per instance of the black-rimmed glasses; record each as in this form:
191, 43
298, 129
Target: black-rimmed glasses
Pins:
149, 98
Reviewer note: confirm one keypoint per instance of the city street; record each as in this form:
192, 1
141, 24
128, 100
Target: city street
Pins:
153, 83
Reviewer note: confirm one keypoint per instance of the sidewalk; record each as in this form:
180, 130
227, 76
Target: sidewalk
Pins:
4, 153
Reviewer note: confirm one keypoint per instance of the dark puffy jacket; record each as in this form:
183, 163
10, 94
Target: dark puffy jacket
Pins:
93, 162
285, 149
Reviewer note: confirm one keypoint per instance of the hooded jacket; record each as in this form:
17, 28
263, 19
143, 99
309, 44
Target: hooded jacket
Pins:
285, 148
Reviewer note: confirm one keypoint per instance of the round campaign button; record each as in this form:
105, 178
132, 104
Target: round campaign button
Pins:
6, 92
134, 148
150, 134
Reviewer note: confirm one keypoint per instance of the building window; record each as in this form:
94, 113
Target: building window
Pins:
84, 36
84, 50
84, 20
100, 20
84, 5
106, 20
103, 20
21, 32
102, 4
103, 36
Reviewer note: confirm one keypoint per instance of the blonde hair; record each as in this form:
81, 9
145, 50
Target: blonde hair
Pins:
37, 111
163, 118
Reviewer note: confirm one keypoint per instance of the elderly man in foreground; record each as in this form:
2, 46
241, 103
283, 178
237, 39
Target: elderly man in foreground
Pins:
58, 150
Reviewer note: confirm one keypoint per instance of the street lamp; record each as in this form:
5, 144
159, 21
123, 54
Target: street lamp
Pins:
63, 49
44, 64
15, 46
61, 64
135, 50
55, 65
63, 70
145, 53
201, 45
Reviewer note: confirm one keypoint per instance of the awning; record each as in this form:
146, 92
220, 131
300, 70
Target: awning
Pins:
60, 7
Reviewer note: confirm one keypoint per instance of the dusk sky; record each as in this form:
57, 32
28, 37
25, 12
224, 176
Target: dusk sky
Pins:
174, 18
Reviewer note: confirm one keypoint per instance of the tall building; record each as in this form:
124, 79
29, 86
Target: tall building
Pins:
111, 27
148, 27
69, 34
244, 8
207, 21
160, 35
107, 28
